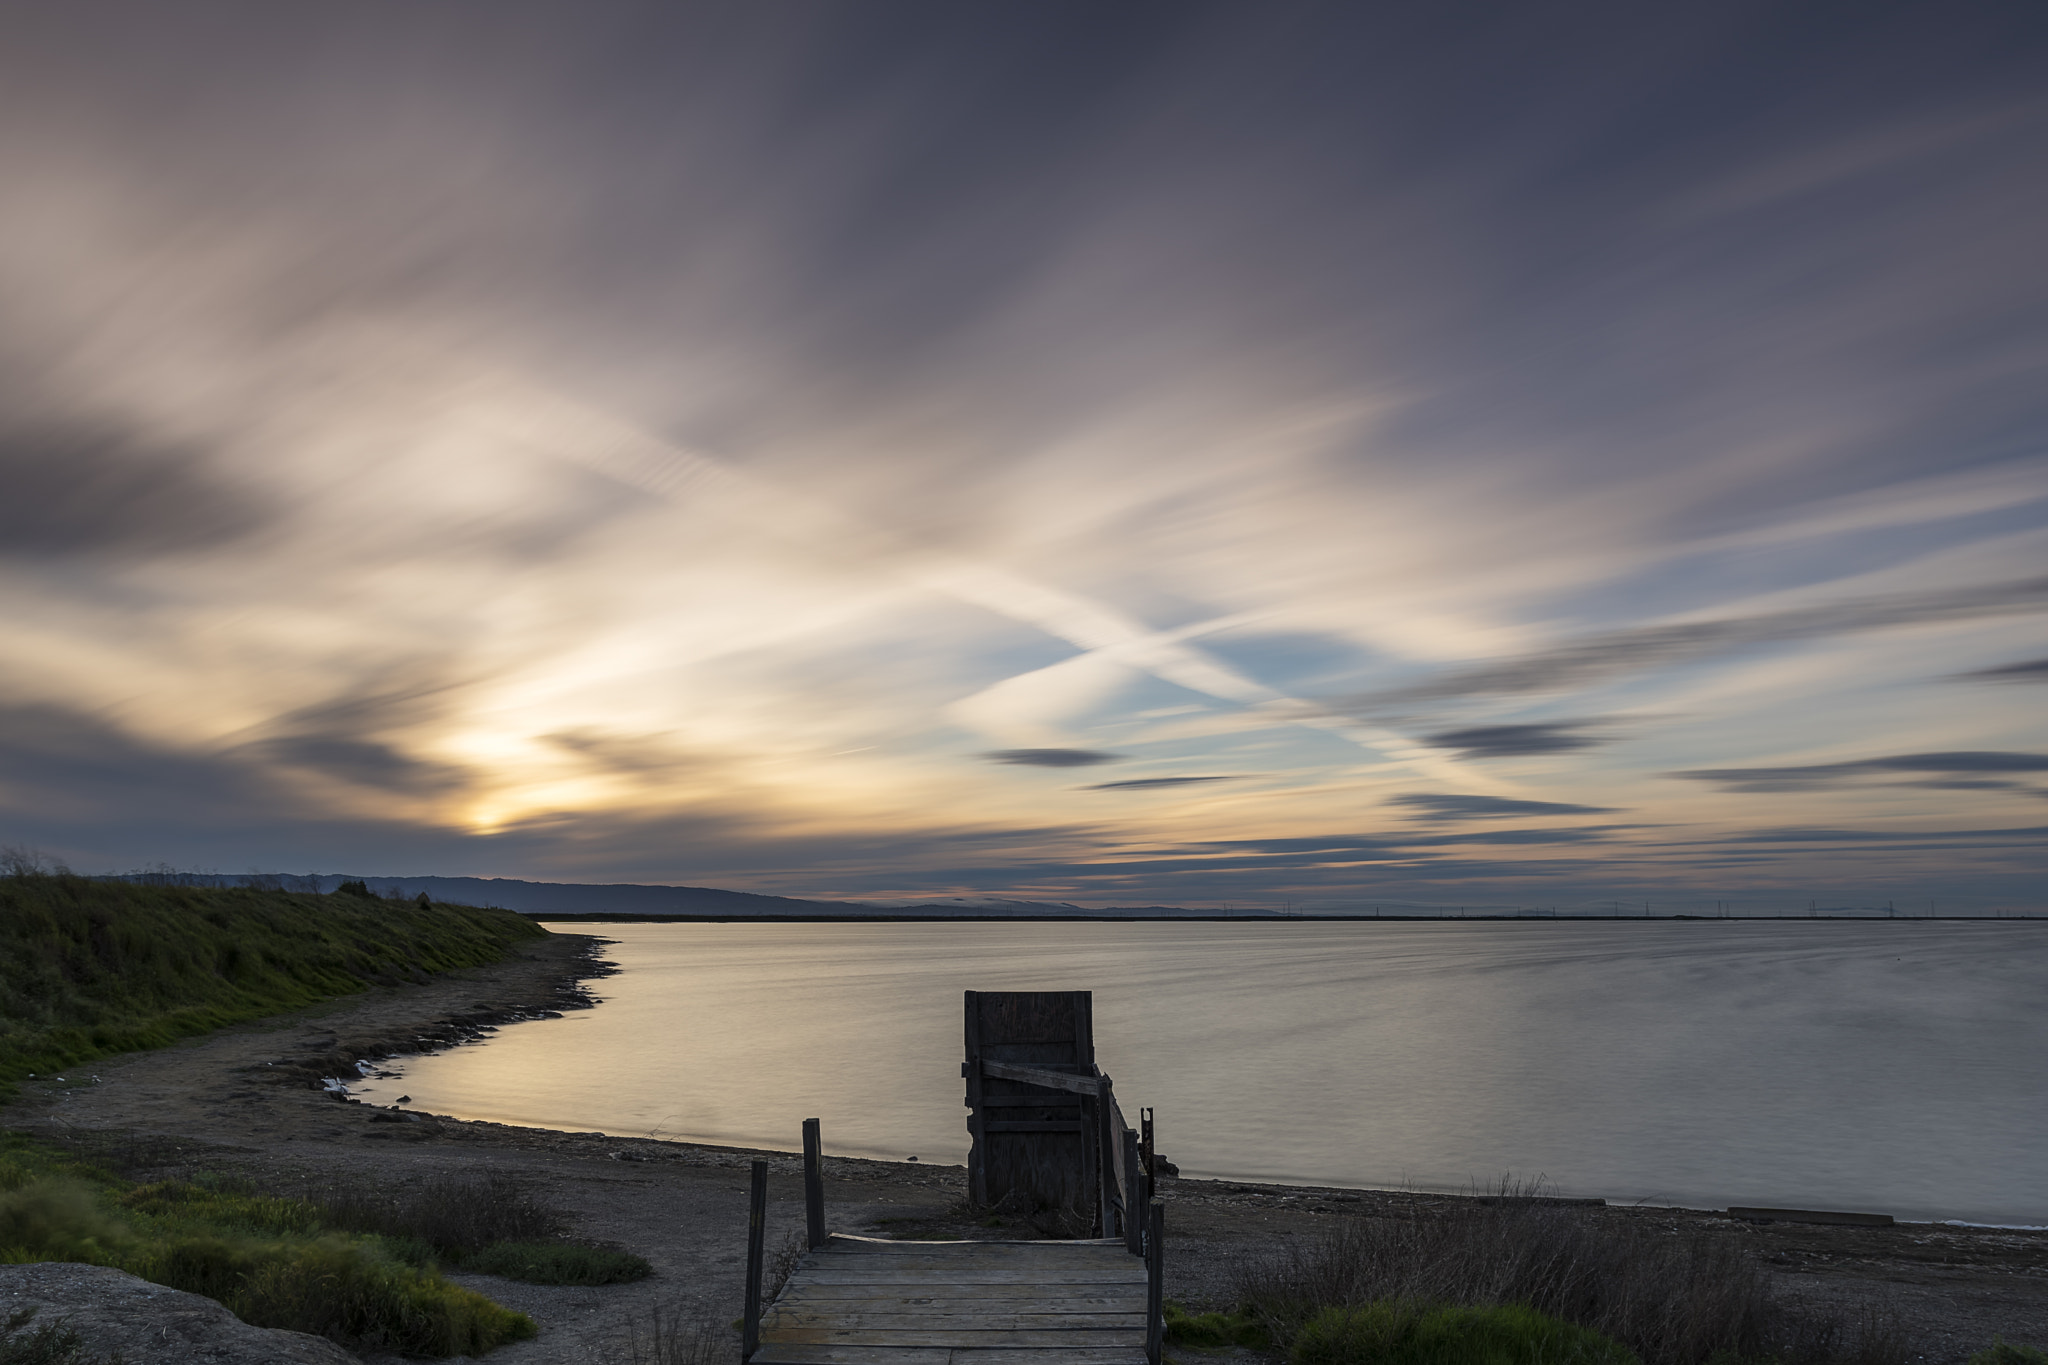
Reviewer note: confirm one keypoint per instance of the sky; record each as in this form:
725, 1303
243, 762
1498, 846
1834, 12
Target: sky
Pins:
1114, 452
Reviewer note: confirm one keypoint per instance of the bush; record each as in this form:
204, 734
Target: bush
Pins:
1670, 1299
1210, 1331
455, 1214
273, 1261
558, 1263
2005, 1353
1391, 1332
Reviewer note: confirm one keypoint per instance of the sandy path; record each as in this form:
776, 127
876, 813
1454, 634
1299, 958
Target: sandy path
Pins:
243, 1099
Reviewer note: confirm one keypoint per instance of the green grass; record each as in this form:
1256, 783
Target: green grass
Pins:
1214, 1331
274, 1261
1391, 1332
2005, 1353
557, 1263
90, 968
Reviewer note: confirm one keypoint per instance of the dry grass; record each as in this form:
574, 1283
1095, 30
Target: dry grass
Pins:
1672, 1299
685, 1334
453, 1213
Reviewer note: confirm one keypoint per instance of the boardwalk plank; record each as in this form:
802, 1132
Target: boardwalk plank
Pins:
855, 1302
865, 1320
995, 1338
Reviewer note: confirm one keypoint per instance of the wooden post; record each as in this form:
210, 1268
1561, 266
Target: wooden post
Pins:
977, 1151
814, 1184
1134, 1196
1155, 1279
1105, 1138
757, 1241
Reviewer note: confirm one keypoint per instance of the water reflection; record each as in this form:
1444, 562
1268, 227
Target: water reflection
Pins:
1883, 1066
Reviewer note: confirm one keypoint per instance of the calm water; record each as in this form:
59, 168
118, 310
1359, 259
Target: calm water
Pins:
1897, 1067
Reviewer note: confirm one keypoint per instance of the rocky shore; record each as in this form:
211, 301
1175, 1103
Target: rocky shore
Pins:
250, 1100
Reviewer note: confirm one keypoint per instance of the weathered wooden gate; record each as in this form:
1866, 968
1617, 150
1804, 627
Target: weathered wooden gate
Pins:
1047, 1133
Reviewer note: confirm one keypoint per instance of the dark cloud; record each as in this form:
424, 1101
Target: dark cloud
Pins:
1051, 758
1641, 649
1897, 839
1142, 782
1435, 806
2033, 671
85, 489
1515, 741
363, 762
1968, 765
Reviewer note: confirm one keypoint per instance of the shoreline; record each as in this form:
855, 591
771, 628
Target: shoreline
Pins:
245, 1100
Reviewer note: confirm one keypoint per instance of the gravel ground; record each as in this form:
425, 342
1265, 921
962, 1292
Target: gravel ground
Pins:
245, 1099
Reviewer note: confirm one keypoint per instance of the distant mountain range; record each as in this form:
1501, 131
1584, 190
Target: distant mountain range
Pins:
574, 898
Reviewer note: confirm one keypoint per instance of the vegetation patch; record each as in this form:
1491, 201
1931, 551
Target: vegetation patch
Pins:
558, 1263
1390, 1332
273, 1261
89, 968
1667, 1298
53, 1343
1214, 1331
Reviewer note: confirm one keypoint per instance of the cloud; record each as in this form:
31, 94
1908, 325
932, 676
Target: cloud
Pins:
1968, 766
1641, 649
2032, 671
1051, 758
1431, 805
90, 489
1144, 782
1517, 741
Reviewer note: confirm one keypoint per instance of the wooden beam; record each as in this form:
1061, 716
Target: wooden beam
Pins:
1038, 1075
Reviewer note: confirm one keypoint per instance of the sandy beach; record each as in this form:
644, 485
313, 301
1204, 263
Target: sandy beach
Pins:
248, 1100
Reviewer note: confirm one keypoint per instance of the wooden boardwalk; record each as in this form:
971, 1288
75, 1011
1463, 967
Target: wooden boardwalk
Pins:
863, 1301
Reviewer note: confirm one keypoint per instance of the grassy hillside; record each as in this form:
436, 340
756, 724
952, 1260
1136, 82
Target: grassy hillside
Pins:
89, 968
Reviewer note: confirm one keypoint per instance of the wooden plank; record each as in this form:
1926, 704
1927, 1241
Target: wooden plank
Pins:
1060, 1101
1104, 1298
1039, 1075
1854, 1220
1057, 1243
1005, 1319
985, 1337
993, 1274
799, 1354
1071, 1355
1031, 1125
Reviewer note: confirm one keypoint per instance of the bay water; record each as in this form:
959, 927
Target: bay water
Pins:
1876, 1066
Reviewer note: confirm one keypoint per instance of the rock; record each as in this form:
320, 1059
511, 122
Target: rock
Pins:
147, 1324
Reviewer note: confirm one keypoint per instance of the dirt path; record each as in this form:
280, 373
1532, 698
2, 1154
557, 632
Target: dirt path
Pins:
245, 1099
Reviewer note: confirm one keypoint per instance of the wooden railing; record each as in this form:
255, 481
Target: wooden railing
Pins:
1128, 1203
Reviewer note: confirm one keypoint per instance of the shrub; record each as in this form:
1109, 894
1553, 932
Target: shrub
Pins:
1391, 1332
2005, 1353
1211, 1331
271, 1260
454, 1213
1670, 1299
558, 1263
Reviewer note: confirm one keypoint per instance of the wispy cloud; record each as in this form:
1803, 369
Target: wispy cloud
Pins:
1971, 767
1434, 806
683, 445
1051, 758
1519, 741
1144, 783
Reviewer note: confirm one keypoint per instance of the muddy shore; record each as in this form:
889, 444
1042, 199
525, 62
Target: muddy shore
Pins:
247, 1100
